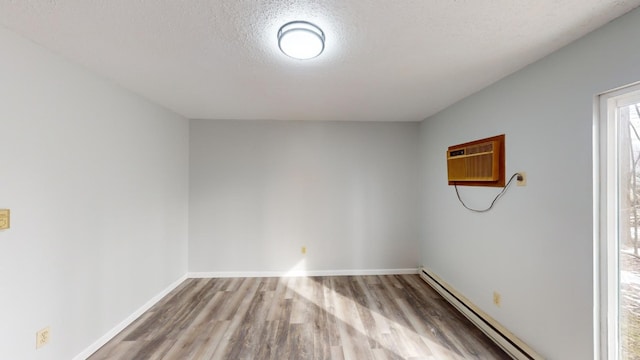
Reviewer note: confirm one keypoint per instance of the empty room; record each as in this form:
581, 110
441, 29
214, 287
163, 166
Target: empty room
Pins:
361, 179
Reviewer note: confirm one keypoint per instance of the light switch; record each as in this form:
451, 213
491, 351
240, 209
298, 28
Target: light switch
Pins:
4, 219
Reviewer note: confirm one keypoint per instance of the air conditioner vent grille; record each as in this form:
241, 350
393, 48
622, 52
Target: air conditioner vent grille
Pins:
487, 147
478, 162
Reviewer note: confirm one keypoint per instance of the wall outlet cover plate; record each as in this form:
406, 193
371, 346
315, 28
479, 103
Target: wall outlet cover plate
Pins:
4, 219
43, 337
523, 176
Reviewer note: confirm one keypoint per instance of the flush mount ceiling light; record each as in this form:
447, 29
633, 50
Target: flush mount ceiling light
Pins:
301, 40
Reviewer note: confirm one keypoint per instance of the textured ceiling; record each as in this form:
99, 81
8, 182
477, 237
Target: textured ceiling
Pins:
384, 60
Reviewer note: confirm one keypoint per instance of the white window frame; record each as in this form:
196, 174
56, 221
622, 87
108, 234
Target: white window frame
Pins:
605, 222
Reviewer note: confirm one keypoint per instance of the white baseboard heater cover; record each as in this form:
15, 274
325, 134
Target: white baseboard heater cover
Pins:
496, 332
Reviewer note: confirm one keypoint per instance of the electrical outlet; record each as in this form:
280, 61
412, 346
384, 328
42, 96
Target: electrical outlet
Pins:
496, 298
522, 178
303, 250
4, 219
43, 337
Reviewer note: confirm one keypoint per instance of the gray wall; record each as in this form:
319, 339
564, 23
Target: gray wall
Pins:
96, 180
535, 247
260, 190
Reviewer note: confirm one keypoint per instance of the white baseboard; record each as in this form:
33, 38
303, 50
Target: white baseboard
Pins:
511, 344
126, 322
355, 272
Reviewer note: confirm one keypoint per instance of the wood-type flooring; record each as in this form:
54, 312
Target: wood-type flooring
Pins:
334, 317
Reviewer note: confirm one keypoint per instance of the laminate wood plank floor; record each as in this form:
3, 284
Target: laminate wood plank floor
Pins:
341, 317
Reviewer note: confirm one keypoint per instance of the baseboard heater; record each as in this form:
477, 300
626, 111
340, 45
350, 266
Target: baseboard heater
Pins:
496, 332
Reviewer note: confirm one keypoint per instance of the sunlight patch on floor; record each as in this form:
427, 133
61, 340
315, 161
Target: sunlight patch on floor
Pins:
345, 309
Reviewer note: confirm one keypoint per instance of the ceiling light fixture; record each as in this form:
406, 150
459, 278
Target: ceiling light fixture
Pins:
301, 40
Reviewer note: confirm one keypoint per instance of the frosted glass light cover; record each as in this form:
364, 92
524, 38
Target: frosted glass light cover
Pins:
301, 40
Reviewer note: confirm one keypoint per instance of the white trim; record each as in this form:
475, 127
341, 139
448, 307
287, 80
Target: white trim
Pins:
606, 209
126, 322
510, 343
597, 185
250, 274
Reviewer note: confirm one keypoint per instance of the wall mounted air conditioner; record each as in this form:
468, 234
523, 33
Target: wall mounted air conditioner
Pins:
477, 163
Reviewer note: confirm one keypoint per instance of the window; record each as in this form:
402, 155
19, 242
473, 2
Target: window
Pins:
617, 222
